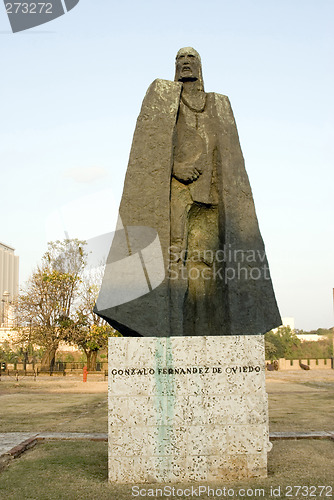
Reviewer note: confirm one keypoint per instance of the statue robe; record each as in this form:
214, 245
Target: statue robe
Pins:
135, 296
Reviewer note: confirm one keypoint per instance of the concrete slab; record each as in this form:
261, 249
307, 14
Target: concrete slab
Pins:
9, 440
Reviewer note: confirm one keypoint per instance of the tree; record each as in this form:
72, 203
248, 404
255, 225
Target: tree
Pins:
90, 331
47, 305
279, 344
318, 349
8, 354
271, 350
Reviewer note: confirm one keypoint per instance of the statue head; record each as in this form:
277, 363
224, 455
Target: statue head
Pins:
188, 66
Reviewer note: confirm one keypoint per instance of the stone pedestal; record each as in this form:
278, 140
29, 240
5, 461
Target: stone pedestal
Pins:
187, 409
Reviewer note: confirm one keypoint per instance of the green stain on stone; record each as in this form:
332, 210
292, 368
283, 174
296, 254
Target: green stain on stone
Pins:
170, 380
164, 396
159, 380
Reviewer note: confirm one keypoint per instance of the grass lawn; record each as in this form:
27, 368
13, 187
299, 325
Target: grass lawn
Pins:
298, 401
53, 404
301, 401
78, 470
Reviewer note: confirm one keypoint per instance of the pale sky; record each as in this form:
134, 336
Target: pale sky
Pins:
72, 89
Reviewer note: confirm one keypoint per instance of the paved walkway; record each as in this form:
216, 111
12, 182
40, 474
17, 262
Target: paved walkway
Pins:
302, 435
13, 444
9, 440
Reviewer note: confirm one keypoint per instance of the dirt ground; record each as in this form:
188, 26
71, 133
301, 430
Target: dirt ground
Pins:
300, 376
298, 401
56, 384
291, 380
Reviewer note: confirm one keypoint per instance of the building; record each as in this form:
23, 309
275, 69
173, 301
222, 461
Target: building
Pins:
310, 337
290, 322
9, 283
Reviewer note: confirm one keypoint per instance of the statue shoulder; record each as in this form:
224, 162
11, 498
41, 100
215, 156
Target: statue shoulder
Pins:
164, 88
222, 105
220, 99
162, 96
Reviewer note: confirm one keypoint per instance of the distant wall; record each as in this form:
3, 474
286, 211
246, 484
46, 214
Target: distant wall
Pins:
314, 364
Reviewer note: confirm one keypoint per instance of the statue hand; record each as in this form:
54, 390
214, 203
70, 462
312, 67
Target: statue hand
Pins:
186, 173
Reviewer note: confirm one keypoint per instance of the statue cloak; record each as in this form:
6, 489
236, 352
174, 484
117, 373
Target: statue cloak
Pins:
135, 292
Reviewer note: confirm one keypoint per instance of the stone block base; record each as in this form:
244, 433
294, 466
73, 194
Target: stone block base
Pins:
187, 409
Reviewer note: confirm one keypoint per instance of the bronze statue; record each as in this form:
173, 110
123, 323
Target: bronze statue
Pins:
187, 189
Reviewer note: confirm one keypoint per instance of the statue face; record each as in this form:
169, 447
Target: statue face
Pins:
188, 65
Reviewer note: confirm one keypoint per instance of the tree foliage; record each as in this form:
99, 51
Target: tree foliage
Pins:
57, 304
320, 331
89, 331
320, 349
47, 305
280, 343
284, 343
